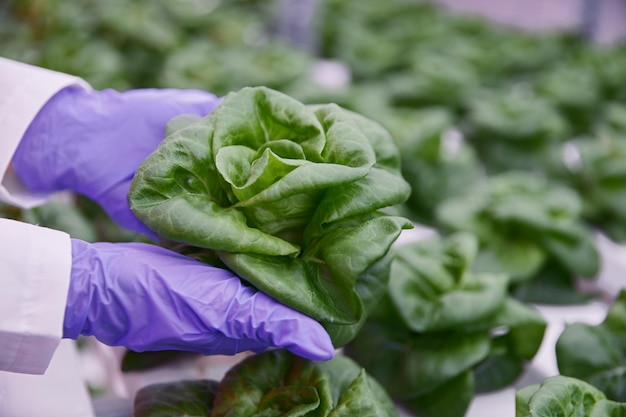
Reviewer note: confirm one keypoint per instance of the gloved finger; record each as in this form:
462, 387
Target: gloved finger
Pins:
260, 317
235, 317
289, 329
223, 304
209, 343
166, 103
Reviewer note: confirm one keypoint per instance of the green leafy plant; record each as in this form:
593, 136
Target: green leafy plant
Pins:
437, 162
561, 396
371, 37
614, 117
595, 168
222, 69
526, 225
444, 333
514, 128
122, 46
597, 354
289, 197
176, 399
574, 90
520, 54
434, 80
607, 63
274, 383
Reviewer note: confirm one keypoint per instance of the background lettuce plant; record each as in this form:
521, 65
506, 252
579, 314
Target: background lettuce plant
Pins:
290, 197
438, 163
597, 354
561, 396
274, 383
514, 128
595, 167
529, 229
578, 105
443, 332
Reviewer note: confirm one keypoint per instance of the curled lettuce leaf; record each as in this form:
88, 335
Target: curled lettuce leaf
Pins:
277, 383
289, 197
524, 224
274, 383
444, 331
561, 396
597, 354
514, 129
175, 399
432, 291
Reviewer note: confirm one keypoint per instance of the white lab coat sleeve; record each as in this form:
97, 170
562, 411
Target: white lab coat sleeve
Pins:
36, 264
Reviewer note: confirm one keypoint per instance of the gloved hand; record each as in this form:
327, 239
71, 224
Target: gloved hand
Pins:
147, 298
91, 142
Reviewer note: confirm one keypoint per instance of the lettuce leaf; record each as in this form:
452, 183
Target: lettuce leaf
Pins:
273, 383
444, 331
562, 396
277, 383
596, 354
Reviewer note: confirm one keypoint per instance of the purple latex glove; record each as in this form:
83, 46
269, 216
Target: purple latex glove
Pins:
91, 142
145, 297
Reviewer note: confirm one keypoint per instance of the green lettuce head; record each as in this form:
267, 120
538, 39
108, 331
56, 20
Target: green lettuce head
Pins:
290, 197
273, 383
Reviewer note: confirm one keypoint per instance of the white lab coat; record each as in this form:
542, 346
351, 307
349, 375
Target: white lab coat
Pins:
39, 375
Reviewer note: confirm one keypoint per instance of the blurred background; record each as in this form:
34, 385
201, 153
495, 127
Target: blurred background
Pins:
471, 91
602, 21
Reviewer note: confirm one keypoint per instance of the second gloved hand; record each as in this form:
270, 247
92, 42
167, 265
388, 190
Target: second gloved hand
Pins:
91, 142
148, 298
